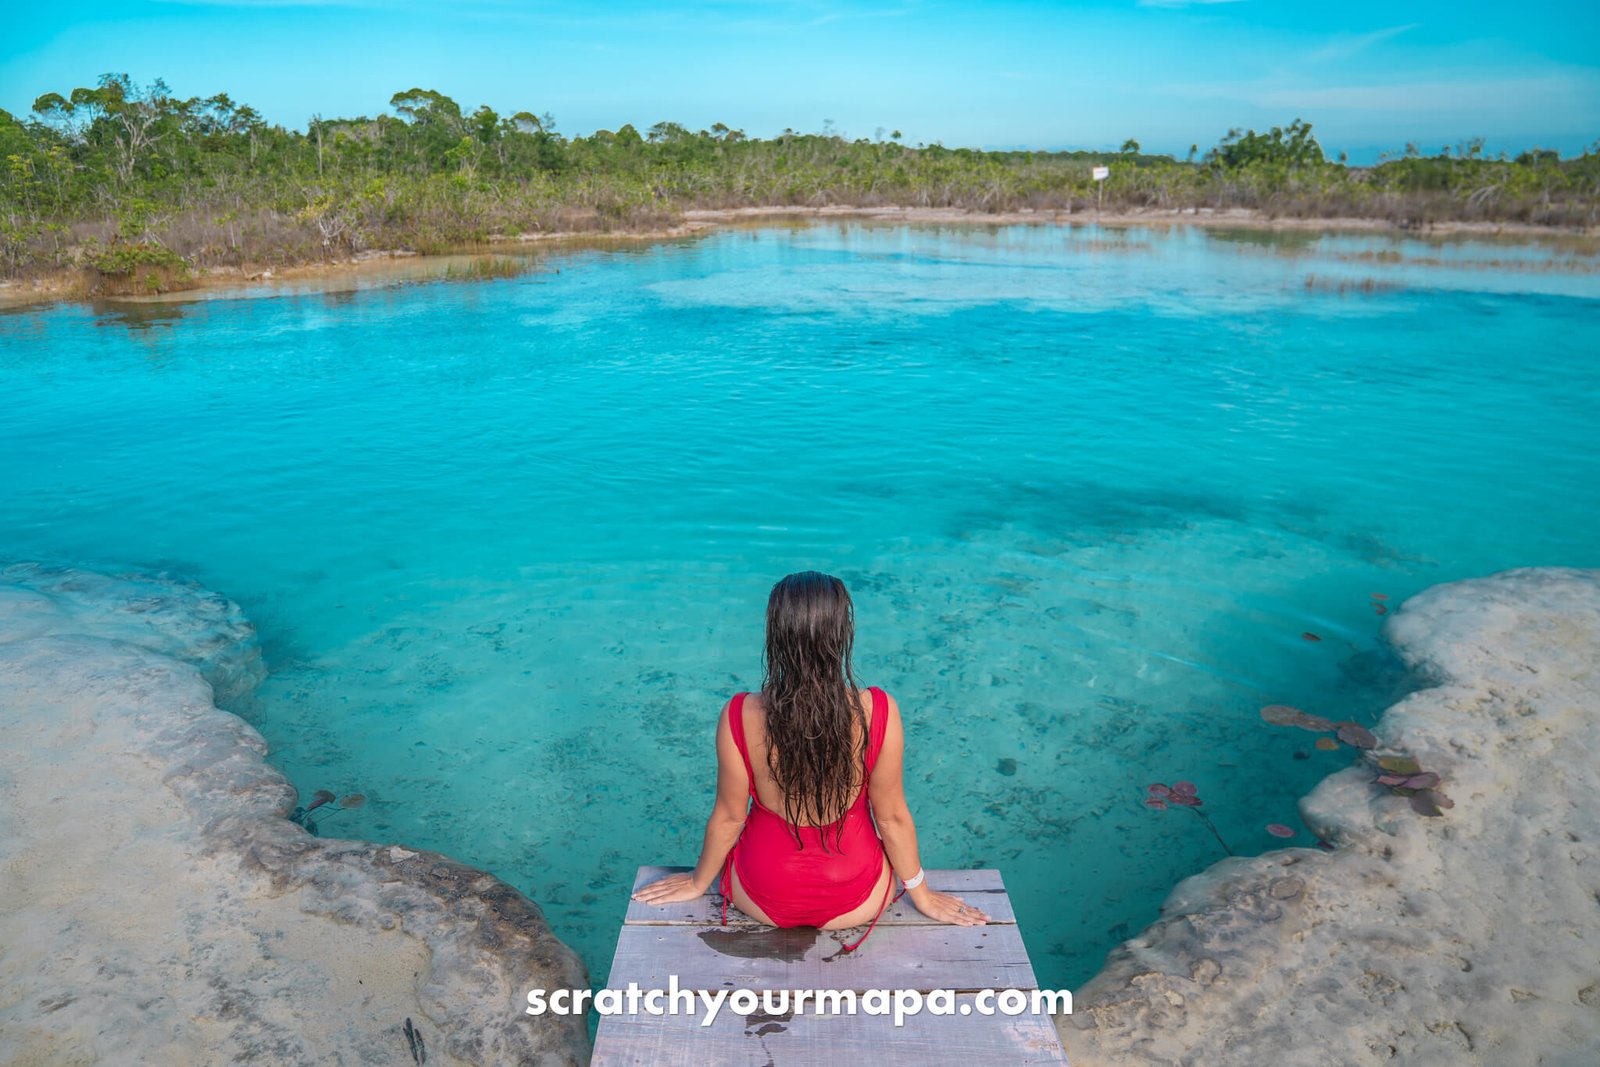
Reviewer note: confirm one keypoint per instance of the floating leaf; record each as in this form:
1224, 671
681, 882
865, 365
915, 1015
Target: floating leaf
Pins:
319, 798
1314, 722
1186, 800
1155, 803
1392, 779
1277, 829
1281, 714
1423, 802
1359, 736
1379, 609
1426, 780
1309, 636
1399, 765
1186, 789
1156, 789
1379, 596
354, 800
1442, 800
1326, 846
1327, 744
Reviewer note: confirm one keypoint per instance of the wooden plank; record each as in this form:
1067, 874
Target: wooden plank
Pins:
799, 1038
894, 957
981, 888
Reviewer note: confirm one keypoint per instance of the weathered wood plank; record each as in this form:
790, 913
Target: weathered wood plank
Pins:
800, 1038
894, 957
982, 889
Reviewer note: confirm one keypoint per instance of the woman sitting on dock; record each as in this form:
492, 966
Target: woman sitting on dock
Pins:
799, 765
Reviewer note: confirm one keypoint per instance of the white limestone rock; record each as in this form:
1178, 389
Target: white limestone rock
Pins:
160, 908
1472, 938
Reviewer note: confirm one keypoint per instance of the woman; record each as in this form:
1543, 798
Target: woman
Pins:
798, 767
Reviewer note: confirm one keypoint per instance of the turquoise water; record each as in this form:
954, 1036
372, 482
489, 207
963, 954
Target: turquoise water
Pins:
508, 542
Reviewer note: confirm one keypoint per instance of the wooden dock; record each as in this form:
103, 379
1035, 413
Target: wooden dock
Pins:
905, 951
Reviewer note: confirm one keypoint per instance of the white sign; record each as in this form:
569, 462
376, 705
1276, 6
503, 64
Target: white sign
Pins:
1102, 173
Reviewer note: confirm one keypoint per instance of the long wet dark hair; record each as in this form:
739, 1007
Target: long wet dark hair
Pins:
809, 688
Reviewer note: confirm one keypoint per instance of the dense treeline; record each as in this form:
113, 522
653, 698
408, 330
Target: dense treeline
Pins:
122, 178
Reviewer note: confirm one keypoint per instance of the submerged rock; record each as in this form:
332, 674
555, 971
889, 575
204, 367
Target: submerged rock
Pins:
1470, 938
160, 907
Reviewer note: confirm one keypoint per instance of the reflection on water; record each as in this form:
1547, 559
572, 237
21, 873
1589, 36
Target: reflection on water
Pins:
508, 541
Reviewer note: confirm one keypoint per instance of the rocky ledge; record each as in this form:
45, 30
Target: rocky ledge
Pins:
1468, 938
160, 907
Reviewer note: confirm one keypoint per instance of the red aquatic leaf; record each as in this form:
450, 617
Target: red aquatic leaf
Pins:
1327, 744
1315, 723
1277, 829
1399, 765
1380, 609
1379, 596
1309, 636
1281, 714
354, 800
1186, 800
319, 798
1423, 802
1391, 779
1426, 780
1359, 736
1156, 789
1186, 789
1155, 803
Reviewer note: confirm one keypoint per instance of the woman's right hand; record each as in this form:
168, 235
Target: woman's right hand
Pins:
944, 908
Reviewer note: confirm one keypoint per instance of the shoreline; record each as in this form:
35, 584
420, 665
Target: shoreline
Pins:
388, 266
162, 908
1466, 938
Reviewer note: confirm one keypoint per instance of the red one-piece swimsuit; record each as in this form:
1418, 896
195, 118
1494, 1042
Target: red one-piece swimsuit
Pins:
820, 878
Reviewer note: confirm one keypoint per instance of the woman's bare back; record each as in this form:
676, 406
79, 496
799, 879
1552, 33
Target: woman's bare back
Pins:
755, 732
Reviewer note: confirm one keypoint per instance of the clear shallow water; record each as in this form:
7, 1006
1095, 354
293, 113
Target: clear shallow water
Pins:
508, 542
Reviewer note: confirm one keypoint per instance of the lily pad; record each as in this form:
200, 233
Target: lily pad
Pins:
1399, 765
1277, 829
1314, 722
1157, 789
1426, 780
1309, 636
354, 800
1392, 779
1184, 789
1327, 744
1186, 800
1155, 803
1423, 802
320, 797
1281, 714
1359, 736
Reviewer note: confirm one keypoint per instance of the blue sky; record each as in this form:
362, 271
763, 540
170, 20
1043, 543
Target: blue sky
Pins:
1368, 75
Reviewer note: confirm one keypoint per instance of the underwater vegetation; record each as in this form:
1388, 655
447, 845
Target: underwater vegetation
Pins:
321, 799
1400, 773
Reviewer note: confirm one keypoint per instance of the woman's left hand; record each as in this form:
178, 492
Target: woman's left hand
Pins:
670, 890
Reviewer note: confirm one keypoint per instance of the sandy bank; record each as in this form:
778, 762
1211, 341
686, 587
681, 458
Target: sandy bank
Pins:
376, 268
1225, 218
1468, 939
158, 906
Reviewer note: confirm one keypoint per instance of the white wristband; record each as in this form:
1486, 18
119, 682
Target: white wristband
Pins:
916, 879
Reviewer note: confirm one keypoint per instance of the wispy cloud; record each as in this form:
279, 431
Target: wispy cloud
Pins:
1572, 94
1346, 46
1184, 3
880, 13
